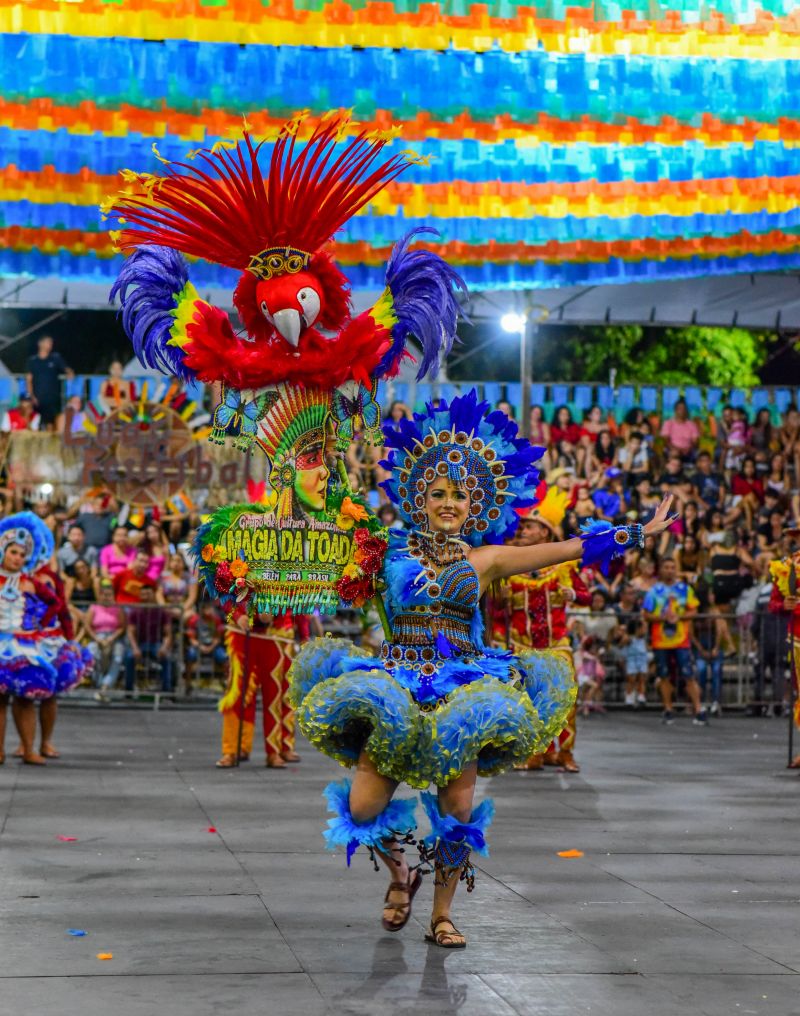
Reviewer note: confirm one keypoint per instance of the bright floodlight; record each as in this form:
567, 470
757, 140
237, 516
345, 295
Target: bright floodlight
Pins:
47, 489
513, 322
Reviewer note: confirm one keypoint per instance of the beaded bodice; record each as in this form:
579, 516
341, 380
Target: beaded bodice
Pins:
435, 623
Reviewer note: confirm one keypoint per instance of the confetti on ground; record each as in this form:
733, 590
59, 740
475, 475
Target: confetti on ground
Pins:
570, 853
212, 829
105, 956
76, 932
67, 839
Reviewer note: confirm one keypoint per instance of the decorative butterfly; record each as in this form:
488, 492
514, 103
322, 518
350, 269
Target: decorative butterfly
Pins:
354, 407
236, 417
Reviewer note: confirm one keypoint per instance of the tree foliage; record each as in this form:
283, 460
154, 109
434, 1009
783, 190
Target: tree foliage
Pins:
639, 354
693, 355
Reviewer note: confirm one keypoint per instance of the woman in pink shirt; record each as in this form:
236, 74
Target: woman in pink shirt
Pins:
117, 555
681, 432
156, 544
105, 625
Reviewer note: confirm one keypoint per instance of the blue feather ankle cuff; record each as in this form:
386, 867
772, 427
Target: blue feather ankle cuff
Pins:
448, 828
451, 842
396, 821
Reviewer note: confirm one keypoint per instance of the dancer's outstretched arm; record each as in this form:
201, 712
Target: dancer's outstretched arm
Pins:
493, 563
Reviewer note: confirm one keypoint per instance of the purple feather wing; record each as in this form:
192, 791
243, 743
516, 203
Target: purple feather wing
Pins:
423, 288
151, 286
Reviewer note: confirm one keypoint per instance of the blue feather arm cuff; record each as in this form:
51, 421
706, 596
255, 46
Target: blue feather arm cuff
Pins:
396, 821
602, 542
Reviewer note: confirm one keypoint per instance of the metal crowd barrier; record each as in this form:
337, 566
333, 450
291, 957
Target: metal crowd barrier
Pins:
757, 675
148, 676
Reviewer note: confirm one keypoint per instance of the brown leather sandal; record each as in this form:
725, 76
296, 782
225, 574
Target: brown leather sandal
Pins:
407, 887
438, 937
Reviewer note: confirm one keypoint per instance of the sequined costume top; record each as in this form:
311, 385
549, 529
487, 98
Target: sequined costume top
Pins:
437, 632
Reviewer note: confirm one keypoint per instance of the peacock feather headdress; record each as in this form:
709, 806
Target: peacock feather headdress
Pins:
474, 447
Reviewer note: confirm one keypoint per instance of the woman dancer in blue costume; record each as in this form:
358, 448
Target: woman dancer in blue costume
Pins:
36, 662
440, 706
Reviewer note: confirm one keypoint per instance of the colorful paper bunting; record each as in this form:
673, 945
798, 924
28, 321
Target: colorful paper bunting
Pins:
567, 143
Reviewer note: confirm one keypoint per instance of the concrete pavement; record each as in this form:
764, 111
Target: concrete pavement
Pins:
686, 901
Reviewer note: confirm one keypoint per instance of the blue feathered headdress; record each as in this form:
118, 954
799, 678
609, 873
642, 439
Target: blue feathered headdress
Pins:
423, 288
28, 530
472, 446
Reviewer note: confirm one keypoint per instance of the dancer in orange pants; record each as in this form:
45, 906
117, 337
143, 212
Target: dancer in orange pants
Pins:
259, 662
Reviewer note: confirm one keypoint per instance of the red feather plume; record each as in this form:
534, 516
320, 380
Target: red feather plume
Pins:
226, 211
215, 353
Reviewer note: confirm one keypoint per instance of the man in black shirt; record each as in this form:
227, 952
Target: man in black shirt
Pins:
673, 475
43, 379
96, 522
710, 485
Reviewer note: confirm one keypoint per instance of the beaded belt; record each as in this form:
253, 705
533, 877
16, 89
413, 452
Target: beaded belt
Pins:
413, 633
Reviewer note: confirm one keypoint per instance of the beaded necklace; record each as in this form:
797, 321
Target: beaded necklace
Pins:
435, 551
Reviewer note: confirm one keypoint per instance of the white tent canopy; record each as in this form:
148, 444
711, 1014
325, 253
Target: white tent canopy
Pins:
769, 300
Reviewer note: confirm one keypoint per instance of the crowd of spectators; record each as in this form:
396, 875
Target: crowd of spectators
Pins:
133, 596
736, 487
698, 594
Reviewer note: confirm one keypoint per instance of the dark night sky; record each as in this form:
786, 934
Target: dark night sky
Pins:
87, 339
90, 340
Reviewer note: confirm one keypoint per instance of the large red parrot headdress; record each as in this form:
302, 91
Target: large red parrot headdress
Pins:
276, 228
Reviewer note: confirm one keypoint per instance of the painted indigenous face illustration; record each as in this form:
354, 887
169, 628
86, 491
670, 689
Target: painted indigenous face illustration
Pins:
311, 477
446, 505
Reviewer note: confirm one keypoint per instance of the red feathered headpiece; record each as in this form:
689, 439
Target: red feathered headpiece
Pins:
226, 211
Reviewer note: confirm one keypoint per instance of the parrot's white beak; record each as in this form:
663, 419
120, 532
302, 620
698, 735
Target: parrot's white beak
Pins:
289, 324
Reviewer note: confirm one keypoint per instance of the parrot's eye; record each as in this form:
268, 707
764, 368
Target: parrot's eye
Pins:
310, 303
265, 310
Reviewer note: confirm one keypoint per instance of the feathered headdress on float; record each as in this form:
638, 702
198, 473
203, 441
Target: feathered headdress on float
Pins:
27, 530
474, 447
274, 227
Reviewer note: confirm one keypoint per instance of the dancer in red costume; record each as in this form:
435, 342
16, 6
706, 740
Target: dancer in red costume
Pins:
785, 599
531, 612
259, 660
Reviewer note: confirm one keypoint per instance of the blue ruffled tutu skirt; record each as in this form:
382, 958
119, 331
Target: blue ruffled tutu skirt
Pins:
496, 709
71, 661
26, 668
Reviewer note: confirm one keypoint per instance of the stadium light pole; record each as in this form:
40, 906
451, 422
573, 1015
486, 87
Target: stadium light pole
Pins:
524, 326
